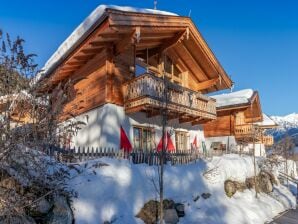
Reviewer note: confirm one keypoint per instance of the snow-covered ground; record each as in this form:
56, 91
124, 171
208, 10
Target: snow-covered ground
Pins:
115, 190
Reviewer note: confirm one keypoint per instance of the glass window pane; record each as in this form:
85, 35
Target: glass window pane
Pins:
137, 138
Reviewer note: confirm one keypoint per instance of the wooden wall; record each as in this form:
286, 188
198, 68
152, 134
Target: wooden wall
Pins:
99, 82
119, 74
89, 86
222, 126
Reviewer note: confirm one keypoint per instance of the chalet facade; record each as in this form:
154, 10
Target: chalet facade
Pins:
240, 123
127, 65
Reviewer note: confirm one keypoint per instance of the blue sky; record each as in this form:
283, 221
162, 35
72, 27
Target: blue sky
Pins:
255, 41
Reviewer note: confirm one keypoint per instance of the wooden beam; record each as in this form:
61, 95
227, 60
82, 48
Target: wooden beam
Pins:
153, 113
123, 44
199, 121
70, 67
104, 26
134, 109
173, 116
184, 64
100, 43
193, 59
207, 84
149, 29
168, 43
83, 57
186, 120
74, 63
92, 50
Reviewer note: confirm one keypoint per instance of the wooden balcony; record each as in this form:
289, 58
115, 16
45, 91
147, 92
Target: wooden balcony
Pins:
247, 133
146, 93
267, 140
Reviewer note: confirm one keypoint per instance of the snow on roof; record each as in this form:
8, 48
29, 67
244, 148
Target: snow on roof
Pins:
85, 27
267, 121
22, 95
233, 98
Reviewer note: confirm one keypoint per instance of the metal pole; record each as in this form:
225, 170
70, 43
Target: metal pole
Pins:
164, 123
254, 152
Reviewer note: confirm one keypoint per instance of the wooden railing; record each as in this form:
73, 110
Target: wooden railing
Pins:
267, 140
247, 131
148, 89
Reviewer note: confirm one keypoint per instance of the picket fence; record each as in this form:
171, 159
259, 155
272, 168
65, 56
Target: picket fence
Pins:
81, 154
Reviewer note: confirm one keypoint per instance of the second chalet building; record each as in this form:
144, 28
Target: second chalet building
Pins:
240, 125
118, 59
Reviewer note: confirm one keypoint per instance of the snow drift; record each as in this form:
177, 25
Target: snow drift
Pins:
115, 191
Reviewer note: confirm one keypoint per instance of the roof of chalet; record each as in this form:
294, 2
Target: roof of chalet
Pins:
267, 122
87, 28
83, 28
244, 100
234, 98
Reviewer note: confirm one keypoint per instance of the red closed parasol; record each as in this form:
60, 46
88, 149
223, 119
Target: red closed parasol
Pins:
124, 141
168, 142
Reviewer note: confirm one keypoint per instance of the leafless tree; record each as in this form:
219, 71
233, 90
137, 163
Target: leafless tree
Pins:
29, 121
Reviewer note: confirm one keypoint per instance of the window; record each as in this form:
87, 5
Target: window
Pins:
143, 138
172, 72
181, 140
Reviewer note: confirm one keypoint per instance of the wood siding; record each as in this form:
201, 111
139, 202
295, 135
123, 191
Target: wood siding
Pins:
90, 89
222, 126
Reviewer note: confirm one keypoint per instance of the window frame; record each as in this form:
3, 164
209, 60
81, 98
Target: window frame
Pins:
178, 142
150, 140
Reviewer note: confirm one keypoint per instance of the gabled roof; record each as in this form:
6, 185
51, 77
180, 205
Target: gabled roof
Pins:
267, 122
115, 26
234, 99
75, 37
246, 100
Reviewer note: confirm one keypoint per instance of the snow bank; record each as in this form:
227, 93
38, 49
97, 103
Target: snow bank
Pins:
233, 98
85, 27
115, 190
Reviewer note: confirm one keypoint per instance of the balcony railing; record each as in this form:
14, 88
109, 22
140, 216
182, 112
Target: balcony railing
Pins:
147, 91
267, 140
248, 132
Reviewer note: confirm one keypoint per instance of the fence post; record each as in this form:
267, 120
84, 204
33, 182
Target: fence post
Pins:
92, 153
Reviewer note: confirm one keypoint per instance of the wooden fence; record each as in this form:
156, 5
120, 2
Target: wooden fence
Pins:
80, 154
136, 156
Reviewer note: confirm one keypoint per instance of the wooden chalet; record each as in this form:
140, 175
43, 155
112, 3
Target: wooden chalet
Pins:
237, 112
240, 119
118, 59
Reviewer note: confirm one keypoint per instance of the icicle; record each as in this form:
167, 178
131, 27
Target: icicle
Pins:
232, 87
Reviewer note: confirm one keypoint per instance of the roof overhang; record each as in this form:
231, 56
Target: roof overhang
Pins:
177, 36
252, 108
